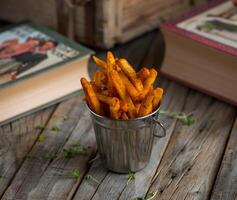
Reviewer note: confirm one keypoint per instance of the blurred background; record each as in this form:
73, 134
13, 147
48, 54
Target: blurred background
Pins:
96, 23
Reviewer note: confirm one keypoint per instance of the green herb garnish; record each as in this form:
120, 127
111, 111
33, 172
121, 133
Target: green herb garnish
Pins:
51, 155
90, 177
69, 153
55, 128
65, 117
40, 127
131, 177
82, 151
186, 119
150, 196
76, 173
41, 138
73, 151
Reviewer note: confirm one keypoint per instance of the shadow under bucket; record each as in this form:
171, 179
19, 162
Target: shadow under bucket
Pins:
125, 145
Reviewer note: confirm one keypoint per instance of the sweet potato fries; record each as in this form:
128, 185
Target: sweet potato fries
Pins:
118, 92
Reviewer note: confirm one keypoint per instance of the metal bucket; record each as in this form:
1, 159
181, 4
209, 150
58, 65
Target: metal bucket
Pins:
125, 145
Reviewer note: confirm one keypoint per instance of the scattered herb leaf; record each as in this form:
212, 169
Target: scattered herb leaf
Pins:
131, 177
40, 127
186, 119
69, 153
55, 128
65, 117
74, 150
82, 151
51, 155
75, 173
90, 177
41, 138
150, 196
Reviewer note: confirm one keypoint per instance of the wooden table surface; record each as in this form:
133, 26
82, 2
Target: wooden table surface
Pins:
192, 162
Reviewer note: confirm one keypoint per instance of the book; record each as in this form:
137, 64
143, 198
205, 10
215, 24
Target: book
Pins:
38, 68
201, 50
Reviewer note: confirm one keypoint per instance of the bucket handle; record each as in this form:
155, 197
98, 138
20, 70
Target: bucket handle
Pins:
162, 126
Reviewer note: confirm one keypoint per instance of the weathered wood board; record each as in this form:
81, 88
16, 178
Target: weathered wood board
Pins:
191, 161
16, 141
225, 187
36, 163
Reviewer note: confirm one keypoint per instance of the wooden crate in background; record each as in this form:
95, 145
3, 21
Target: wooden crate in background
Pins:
100, 23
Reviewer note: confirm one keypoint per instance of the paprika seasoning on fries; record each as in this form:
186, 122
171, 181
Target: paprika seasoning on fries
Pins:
117, 91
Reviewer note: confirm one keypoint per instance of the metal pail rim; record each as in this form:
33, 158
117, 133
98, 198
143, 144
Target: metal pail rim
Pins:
124, 120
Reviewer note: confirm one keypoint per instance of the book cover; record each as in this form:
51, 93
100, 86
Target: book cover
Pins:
201, 50
27, 49
214, 25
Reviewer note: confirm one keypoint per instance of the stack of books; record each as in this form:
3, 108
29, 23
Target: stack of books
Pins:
38, 68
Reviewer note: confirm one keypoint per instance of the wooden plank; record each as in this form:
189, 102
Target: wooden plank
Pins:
192, 159
79, 21
16, 140
87, 188
113, 186
34, 166
56, 181
105, 23
225, 187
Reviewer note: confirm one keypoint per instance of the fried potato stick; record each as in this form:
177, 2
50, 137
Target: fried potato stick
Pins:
124, 116
158, 93
143, 74
121, 91
110, 60
108, 100
91, 97
130, 73
104, 98
117, 83
99, 78
151, 78
131, 107
123, 106
137, 107
100, 62
114, 108
149, 82
132, 91
110, 86
146, 106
